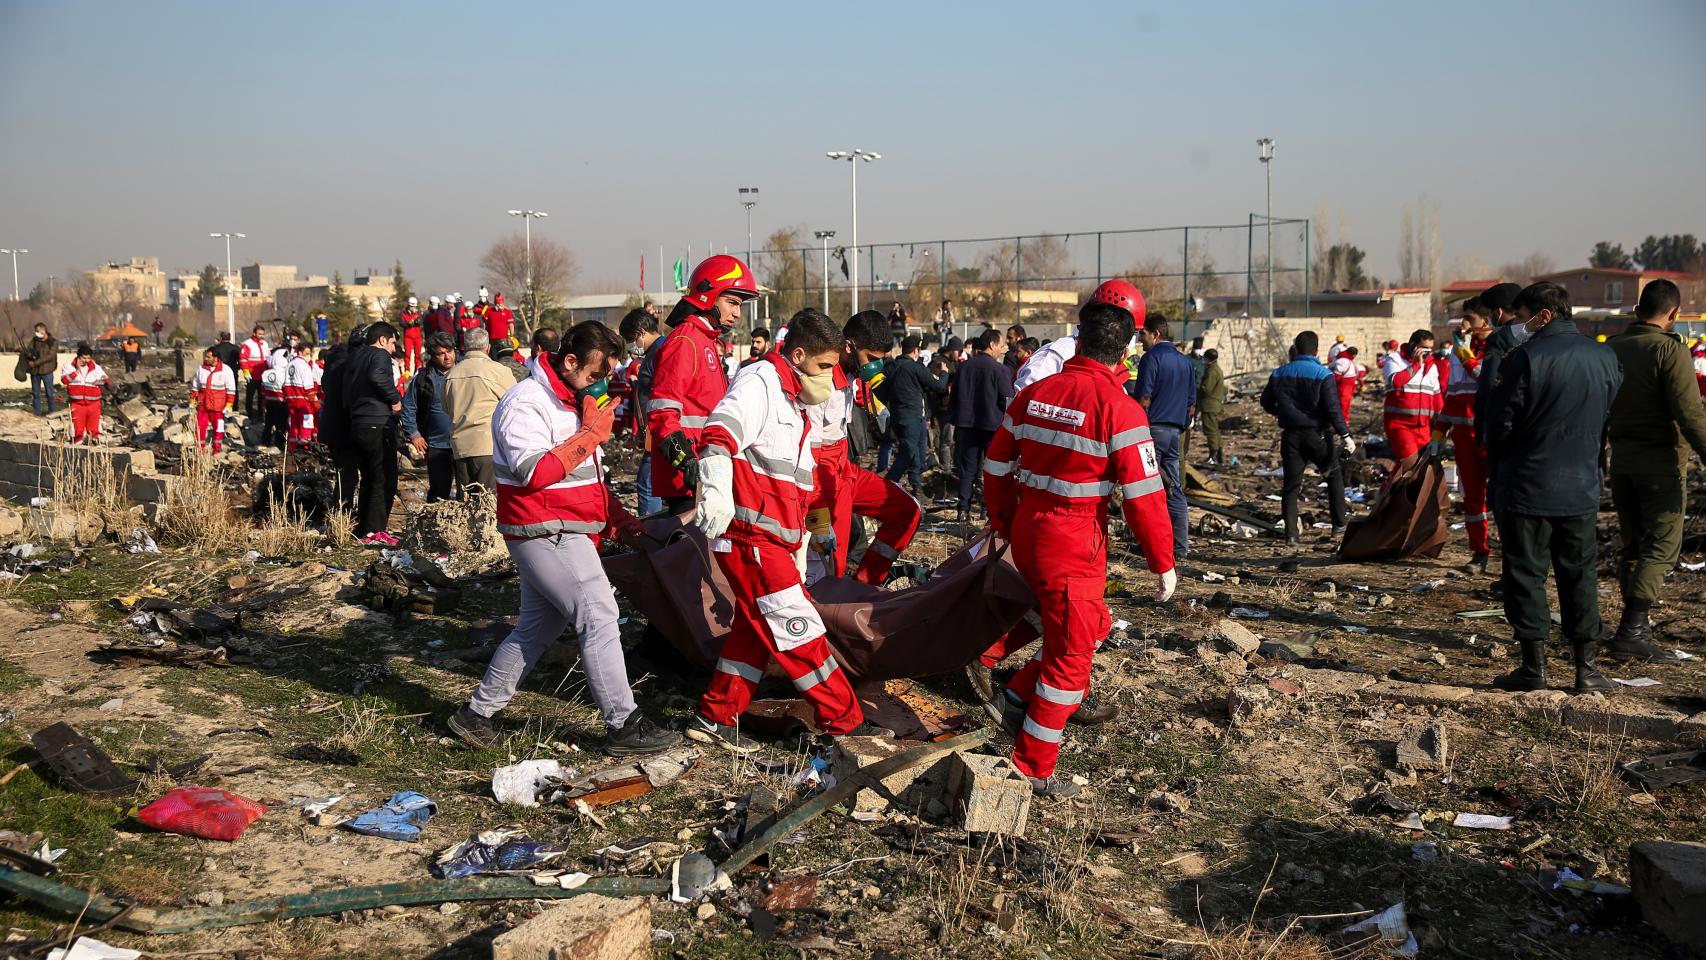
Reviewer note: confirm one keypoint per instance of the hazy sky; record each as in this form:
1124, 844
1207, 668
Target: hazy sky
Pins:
344, 135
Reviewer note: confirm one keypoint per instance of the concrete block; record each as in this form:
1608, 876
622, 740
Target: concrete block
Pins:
1234, 637
582, 928
1694, 728
1668, 878
1415, 694
1598, 714
855, 753
989, 793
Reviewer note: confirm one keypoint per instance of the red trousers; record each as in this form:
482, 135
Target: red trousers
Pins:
85, 420
210, 428
773, 619
1407, 435
1347, 390
1472, 475
303, 428
1064, 557
413, 344
849, 490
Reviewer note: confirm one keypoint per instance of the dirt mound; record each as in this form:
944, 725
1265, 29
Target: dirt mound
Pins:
464, 532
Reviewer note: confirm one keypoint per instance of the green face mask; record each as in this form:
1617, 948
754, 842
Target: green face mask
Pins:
599, 390
871, 373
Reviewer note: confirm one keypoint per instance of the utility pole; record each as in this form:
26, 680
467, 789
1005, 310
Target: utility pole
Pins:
824, 236
1266, 147
14, 254
230, 291
749, 199
527, 218
853, 157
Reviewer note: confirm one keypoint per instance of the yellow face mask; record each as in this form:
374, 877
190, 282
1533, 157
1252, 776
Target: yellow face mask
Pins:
815, 390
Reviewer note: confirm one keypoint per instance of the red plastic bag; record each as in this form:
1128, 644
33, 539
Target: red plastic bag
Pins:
202, 812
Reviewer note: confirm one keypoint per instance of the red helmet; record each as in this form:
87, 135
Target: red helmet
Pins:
498, 299
717, 275
1122, 294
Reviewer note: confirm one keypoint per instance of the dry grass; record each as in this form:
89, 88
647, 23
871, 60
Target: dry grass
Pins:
196, 510
1584, 781
284, 534
86, 488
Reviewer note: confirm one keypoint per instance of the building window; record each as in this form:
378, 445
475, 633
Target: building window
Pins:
1614, 291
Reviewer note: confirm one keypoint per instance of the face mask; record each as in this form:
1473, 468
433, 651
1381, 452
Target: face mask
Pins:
815, 390
598, 390
1522, 332
40, 335
871, 374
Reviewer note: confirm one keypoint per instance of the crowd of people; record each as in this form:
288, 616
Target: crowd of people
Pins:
764, 453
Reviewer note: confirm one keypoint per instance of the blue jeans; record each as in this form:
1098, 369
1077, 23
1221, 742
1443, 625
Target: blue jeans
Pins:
912, 437
648, 504
41, 383
885, 453
1167, 452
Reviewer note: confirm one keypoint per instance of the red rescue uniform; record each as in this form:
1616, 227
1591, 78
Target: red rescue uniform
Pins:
83, 378
762, 426
414, 338
1067, 443
1415, 394
1458, 415
687, 383
845, 489
213, 389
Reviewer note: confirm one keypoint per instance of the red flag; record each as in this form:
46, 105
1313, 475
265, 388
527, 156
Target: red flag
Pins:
642, 272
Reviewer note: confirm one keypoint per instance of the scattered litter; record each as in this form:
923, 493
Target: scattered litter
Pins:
1269, 472
1426, 586
401, 818
1570, 880
1666, 769
1209, 576
1637, 682
1425, 851
1694, 567
202, 812
1481, 821
314, 806
1682, 655
24, 551
627, 780
1250, 613
1411, 822
88, 948
693, 876
1244, 531
520, 783
76, 760
495, 852
1121, 625
140, 542
1481, 614
1392, 928
116, 703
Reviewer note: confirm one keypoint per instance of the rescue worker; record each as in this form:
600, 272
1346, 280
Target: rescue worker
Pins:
499, 319
1339, 346
1656, 417
414, 337
841, 488
1415, 380
1211, 404
275, 424
688, 379
254, 354
231, 355
1347, 376
1458, 417
758, 342
553, 508
302, 396
1301, 395
468, 317
1068, 443
755, 479
1545, 419
439, 318
83, 379
1698, 353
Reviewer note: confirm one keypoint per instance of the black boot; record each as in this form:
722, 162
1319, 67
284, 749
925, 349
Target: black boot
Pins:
1532, 674
1634, 639
1588, 677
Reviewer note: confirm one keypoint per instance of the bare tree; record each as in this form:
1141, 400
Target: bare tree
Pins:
504, 269
1525, 270
1045, 262
1407, 248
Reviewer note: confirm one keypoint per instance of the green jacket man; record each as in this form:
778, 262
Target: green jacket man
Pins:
1211, 400
1656, 417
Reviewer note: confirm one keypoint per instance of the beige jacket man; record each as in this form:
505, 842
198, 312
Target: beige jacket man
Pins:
472, 390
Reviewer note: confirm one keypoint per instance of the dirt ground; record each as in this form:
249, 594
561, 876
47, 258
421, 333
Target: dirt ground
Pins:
1240, 805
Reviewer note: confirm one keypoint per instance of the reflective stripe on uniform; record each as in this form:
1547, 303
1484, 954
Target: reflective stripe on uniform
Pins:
748, 515
812, 679
1061, 438
1126, 438
745, 671
655, 405
729, 423
1410, 411
1065, 488
1460, 421
997, 468
1040, 732
776, 469
1065, 698
1477, 518
549, 528
1132, 491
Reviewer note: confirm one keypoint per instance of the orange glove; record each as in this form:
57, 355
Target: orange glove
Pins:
599, 421
596, 427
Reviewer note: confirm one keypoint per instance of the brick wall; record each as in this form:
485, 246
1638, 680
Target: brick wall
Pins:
26, 469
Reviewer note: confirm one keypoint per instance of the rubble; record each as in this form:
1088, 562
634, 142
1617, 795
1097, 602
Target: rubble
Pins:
1669, 881
988, 794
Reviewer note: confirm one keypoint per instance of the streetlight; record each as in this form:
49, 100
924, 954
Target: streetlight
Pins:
230, 293
853, 157
14, 254
1265, 146
749, 199
527, 218
824, 235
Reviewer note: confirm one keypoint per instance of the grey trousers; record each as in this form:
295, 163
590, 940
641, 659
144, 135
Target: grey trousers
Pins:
562, 584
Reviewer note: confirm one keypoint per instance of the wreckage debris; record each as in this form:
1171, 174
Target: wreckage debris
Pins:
401, 818
496, 852
78, 763
202, 812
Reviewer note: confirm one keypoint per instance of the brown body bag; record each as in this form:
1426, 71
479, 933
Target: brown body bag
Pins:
1408, 519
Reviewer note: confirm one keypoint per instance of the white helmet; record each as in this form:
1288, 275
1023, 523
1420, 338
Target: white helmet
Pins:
433, 300
456, 297
485, 295
413, 302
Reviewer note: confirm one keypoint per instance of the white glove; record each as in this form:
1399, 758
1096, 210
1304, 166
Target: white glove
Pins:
1348, 444
1168, 581
801, 556
716, 495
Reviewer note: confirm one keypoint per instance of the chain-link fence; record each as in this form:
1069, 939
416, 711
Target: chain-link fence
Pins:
1038, 280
